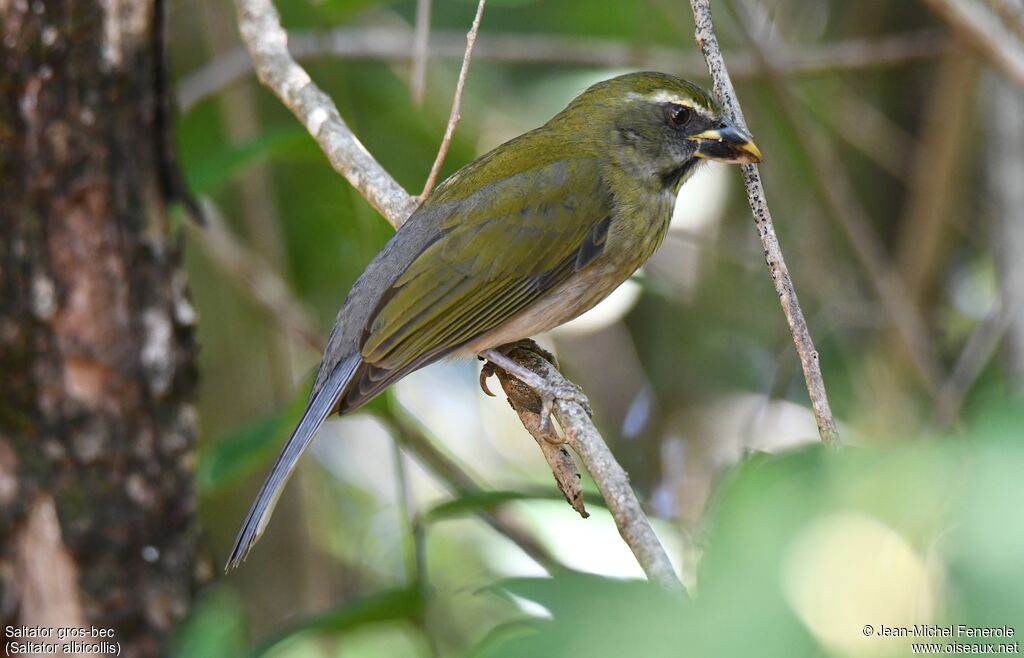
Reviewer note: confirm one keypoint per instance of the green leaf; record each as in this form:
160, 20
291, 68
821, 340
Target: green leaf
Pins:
389, 605
476, 501
228, 460
214, 628
592, 616
210, 173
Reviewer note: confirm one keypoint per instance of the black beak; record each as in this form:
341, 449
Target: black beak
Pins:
727, 144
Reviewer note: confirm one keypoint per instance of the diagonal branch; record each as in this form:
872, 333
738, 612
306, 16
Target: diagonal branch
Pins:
581, 435
266, 40
708, 42
834, 188
267, 43
983, 31
264, 286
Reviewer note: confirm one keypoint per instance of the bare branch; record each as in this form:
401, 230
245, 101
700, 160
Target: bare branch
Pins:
708, 43
418, 75
1005, 165
977, 352
612, 481
1012, 14
1004, 107
982, 30
864, 127
256, 277
266, 41
390, 44
453, 117
836, 192
430, 456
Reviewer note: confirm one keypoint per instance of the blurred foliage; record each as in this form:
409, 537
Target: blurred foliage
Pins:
948, 501
788, 549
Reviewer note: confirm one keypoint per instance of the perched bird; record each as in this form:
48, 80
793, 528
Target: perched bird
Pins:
515, 243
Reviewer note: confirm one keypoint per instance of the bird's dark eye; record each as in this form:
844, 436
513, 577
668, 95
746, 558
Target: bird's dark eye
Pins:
678, 114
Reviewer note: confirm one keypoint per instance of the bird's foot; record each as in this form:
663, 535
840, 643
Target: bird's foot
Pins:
548, 392
570, 393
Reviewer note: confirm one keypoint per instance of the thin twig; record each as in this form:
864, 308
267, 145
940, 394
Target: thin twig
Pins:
708, 43
937, 178
414, 439
453, 117
835, 190
1005, 171
982, 30
262, 284
977, 352
1004, 108
261, 30
393, 44
415, 558
864, 127
267, 43
420, 44
415, 541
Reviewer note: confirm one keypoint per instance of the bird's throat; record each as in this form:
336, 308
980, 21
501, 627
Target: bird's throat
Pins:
675, 178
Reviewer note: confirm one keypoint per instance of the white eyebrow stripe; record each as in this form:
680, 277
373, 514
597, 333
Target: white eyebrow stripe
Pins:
663, 96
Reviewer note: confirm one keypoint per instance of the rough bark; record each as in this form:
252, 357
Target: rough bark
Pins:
96, 331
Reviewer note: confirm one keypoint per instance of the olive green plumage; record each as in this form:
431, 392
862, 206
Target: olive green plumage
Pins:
520, 240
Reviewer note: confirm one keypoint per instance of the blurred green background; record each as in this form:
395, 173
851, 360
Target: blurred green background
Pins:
788, 549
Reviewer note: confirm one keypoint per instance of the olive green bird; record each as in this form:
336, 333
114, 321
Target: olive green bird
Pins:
517, 242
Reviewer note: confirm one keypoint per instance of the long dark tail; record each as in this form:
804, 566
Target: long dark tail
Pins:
320, 406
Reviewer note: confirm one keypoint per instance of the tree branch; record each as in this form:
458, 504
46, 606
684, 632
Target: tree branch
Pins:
459, 482
708, 43
391, 44
833, 187
266, 41
255, 276
581, 435
982, 30
454, 116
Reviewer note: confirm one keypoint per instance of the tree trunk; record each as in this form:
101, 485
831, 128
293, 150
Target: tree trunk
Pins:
97, 513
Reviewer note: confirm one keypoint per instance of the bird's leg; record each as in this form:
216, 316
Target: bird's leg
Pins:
545, 390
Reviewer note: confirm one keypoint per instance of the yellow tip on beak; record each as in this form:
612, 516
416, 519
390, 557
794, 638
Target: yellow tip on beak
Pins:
727, 144
755, 153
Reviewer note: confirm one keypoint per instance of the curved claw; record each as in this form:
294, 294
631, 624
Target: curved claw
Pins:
485, 374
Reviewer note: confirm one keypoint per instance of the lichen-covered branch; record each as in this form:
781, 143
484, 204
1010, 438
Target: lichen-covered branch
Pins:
267, 43
708, 43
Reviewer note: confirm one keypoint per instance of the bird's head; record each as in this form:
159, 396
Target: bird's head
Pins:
657, 126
